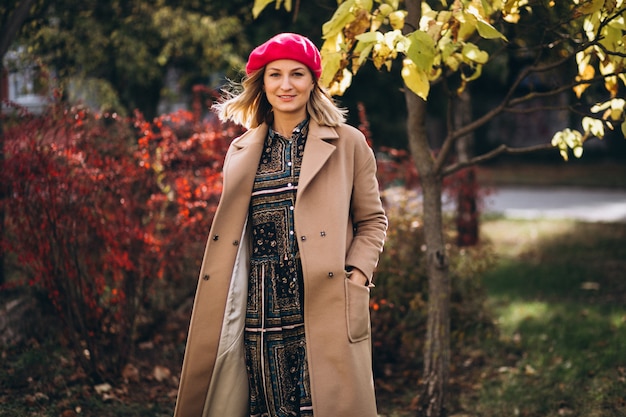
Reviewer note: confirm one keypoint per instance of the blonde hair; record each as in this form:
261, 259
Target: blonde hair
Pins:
247, 105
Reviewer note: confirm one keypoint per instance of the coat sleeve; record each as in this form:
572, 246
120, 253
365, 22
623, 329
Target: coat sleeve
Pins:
366, 211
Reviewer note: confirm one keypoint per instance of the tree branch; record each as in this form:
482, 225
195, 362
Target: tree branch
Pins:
502, 149
611, 53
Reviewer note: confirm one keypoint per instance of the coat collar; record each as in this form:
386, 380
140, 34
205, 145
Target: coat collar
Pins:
257, 135
320, 144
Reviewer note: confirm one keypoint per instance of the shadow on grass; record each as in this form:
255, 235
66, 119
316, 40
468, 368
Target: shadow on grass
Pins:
560, 297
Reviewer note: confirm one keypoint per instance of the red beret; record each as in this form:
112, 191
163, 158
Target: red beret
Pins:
286, 46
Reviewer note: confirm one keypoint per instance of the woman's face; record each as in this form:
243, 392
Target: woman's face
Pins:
288, 85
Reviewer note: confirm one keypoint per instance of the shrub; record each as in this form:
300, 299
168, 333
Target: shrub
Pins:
399, 300
102, 210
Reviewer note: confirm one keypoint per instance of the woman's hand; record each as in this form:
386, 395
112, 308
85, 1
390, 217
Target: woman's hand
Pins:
358, 277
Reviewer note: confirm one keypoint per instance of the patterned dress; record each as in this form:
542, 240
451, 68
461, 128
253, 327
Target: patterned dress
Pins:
274, 333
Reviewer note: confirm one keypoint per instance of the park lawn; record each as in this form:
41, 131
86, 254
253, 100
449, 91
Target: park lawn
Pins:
558, 293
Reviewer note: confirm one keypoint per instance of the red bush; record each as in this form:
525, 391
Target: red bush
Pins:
99, 209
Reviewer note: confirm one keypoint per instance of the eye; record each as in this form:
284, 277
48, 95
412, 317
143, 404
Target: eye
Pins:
298, 74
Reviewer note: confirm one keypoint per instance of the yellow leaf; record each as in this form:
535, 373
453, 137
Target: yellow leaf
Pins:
380, 53
606, 67
582, 60
258, 7
380, 15
611, 85
421, 50
369, 37
362, 54
600, 107
384, 9
478, 69
616, 114
589, 6
624, 129
593, 126
511, 17
415, 79
396, 19
618, 103
487, 31
587, 74
467, 26
453, 62
342, 16
339, 87
610, 5
331, 65
568, 139
578, 151
474, 54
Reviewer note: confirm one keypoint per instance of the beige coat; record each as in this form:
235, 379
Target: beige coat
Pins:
339, 221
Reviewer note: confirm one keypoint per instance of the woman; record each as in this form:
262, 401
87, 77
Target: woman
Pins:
280, 324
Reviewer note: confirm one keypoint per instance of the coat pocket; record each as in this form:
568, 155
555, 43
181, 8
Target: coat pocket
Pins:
357, 311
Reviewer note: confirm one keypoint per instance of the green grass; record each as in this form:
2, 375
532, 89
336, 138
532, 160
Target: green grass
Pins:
559, 296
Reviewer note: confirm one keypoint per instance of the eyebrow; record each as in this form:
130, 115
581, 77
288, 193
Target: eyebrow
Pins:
302, 68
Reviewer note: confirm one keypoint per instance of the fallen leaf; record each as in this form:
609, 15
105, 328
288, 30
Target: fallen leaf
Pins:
529, 370
130, 373
103, 388
146, 345
161, 373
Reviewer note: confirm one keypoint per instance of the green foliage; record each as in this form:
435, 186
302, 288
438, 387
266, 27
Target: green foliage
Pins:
454, 42
399, 300
130, 45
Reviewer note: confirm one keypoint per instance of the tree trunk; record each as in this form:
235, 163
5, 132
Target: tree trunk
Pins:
437, 347
467, 208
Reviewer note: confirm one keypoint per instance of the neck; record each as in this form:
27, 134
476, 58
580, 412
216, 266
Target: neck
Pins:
285, 124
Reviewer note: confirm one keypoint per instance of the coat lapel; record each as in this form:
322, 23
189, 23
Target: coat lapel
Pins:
244, 160
319, 146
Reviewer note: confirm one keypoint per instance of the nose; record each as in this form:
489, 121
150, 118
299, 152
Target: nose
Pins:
285, 83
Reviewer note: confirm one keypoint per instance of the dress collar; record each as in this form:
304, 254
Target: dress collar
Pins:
300, 130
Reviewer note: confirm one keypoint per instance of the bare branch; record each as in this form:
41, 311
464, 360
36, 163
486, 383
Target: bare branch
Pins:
537, 109
449, 140
608, 52
502, 149
507, 106
566, 87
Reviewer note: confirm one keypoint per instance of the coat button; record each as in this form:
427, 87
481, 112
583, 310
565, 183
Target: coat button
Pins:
235, 242
205, 277
322, 233
215, 237
331, 274
303, 238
